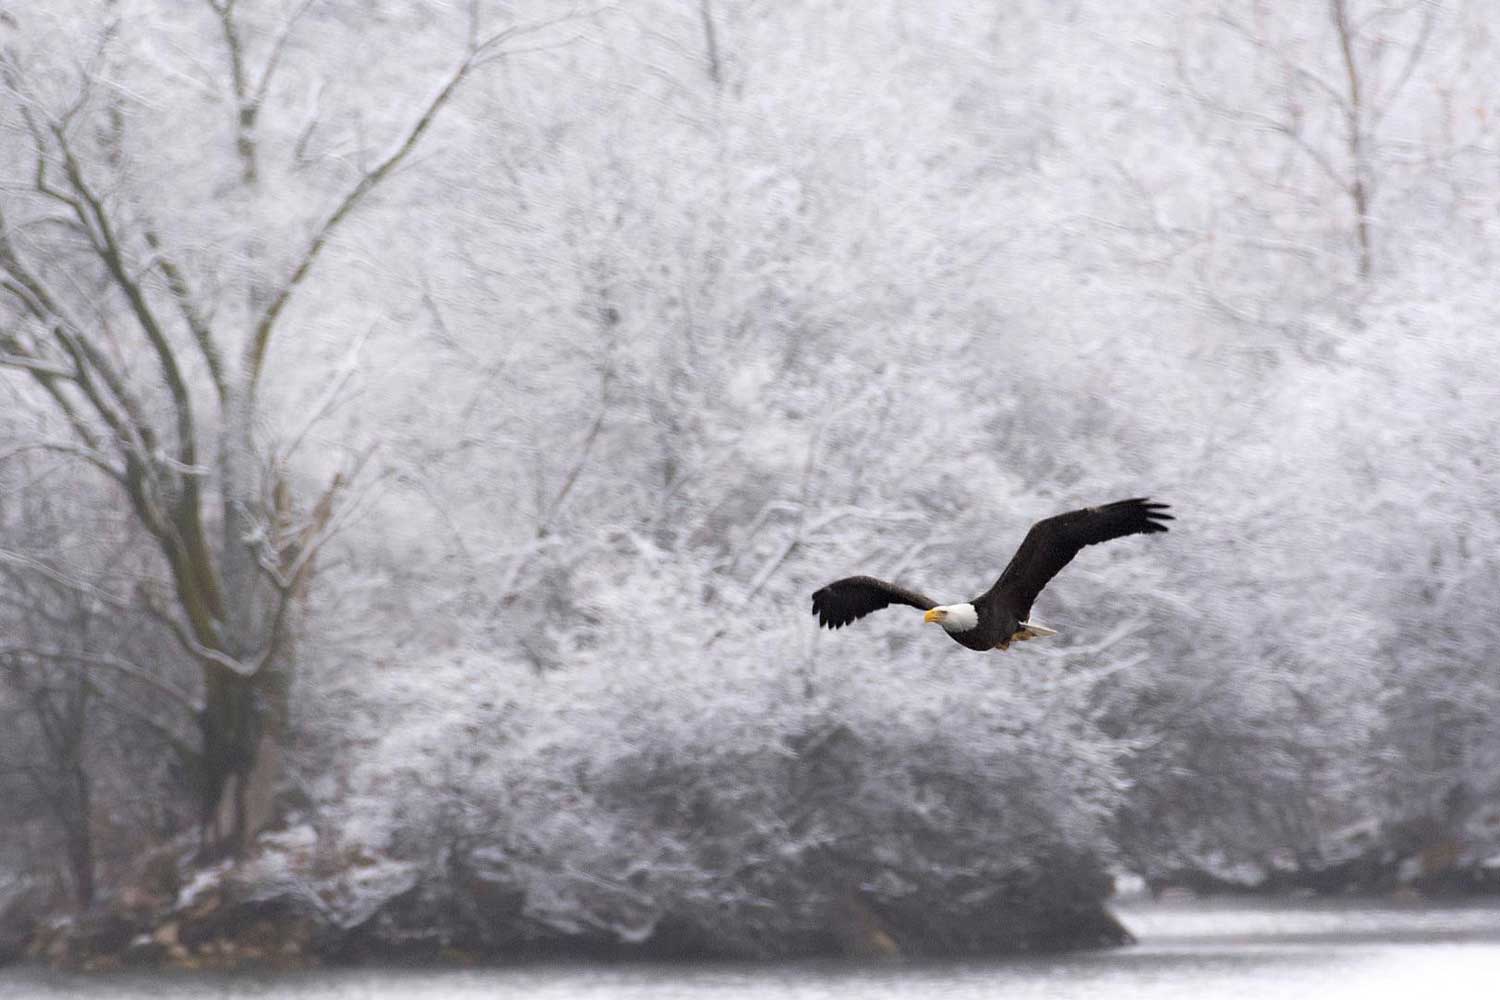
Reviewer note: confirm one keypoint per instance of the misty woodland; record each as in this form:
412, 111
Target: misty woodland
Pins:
422, 425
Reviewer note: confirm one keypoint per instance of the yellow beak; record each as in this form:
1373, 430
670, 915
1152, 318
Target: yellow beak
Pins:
933, 616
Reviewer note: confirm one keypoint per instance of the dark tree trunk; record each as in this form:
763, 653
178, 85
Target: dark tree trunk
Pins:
1359, 188
80, 844
243, 724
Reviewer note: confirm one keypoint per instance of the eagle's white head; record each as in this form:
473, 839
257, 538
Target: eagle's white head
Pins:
953, 617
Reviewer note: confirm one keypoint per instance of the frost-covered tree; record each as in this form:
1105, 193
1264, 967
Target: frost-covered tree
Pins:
737, 299
1328, 121
171, 197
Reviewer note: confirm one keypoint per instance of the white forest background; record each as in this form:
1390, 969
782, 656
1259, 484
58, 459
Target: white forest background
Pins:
681, 309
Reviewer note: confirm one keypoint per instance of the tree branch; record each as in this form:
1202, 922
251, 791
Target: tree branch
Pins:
84, 452
1413, 57
60, 578
278, 46
202, 653
202, 334
36, 366
479, 53
117, 663
1354, 113
110, 253
114, 404
261, 337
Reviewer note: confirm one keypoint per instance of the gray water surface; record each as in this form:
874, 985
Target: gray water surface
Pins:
1188, 949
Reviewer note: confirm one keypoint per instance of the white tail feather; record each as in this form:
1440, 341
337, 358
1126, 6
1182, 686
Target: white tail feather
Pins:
1033, 630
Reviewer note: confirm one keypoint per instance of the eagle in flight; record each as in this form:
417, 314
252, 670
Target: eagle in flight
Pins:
999, 616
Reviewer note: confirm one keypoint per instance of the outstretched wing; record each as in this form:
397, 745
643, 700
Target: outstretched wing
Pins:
1051, 544
842, 601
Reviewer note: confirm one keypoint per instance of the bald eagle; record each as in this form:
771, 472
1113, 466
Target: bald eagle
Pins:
998, 617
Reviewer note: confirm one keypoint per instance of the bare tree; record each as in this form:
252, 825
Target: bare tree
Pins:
1327, 90
155, 378
55, 700
72, 673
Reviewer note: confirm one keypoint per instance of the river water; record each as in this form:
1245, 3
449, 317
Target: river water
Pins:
1194, 950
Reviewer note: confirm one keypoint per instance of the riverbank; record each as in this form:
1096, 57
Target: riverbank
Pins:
278, 910
1189, 949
